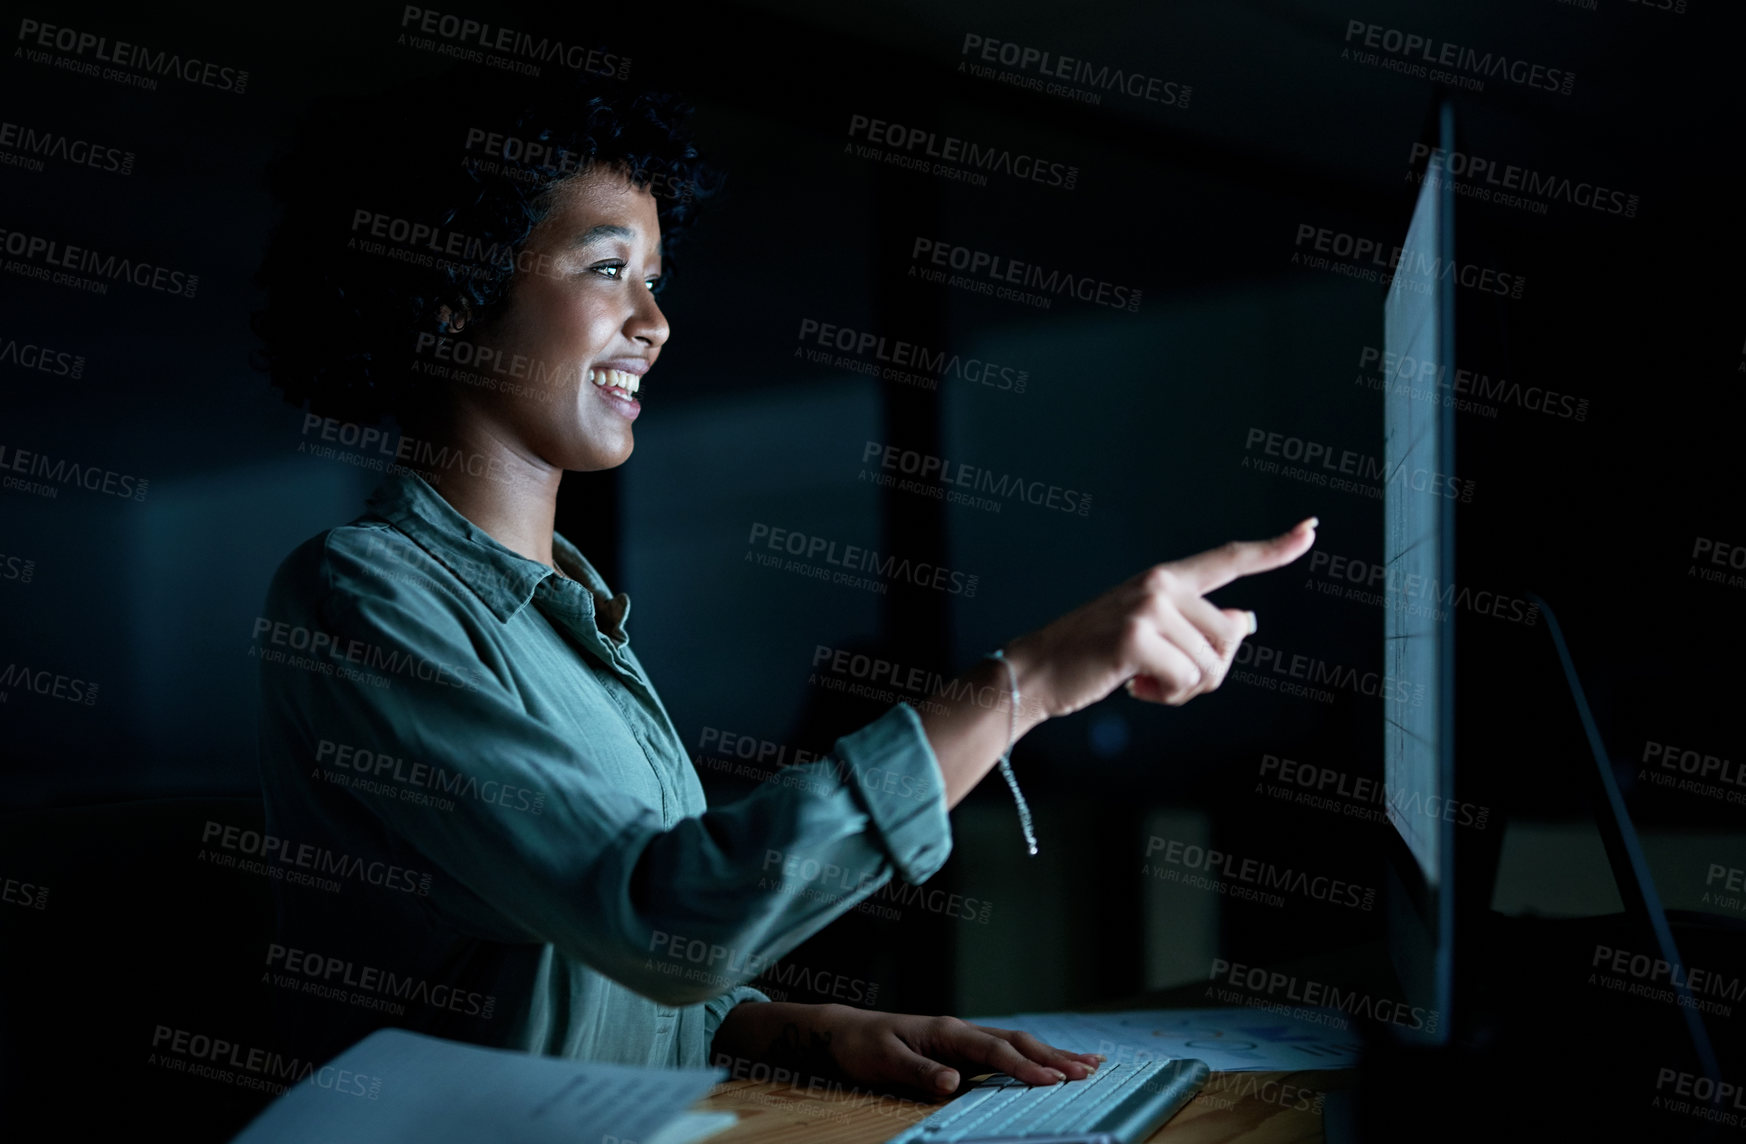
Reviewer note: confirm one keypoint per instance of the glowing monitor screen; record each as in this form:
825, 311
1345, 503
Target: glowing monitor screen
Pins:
1418, 514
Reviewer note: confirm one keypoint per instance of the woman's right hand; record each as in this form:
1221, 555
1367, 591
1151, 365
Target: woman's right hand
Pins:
1155, 629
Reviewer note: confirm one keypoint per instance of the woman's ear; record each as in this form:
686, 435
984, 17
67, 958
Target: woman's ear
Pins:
452, 320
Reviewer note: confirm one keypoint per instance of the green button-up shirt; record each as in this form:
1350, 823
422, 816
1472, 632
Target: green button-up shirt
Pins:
483, 824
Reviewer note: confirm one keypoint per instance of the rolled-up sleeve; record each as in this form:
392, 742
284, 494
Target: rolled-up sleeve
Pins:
716, 1009
595, 872
893, 768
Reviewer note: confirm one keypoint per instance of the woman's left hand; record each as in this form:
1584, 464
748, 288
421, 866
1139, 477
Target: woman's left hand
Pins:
933, 1054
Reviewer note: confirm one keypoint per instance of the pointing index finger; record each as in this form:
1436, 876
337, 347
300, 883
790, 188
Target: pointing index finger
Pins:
1217, 567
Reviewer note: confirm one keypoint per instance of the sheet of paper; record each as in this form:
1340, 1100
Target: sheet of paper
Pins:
396, 1086
690, 1127
1228, 1040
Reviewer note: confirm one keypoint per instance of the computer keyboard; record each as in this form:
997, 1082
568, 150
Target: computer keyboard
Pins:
1117, 1104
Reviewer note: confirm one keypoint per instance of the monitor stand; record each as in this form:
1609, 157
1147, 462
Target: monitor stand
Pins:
1625, 852
1467, 1089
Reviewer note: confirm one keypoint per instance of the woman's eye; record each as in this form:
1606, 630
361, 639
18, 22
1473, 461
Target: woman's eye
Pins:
615, 271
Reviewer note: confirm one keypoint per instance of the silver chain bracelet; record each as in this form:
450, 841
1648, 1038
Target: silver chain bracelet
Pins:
1018, 798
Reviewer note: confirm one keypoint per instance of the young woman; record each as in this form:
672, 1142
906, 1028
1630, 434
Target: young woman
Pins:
455, 728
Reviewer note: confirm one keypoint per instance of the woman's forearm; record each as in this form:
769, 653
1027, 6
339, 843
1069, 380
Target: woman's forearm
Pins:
780, 1033
1155, 632
969, 722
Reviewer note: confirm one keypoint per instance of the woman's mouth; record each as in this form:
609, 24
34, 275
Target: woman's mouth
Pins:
619, 388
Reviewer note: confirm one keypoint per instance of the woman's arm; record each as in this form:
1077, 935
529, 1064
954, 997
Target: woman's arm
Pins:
599, 875
680, 911
1156, 629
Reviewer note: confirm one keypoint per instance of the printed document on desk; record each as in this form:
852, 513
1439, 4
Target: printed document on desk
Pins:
396, 1086
1228, 1040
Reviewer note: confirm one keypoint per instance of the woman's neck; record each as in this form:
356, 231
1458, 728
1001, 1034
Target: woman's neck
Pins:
497, 484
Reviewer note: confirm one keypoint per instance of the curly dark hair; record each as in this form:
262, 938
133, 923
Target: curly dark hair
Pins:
403, 213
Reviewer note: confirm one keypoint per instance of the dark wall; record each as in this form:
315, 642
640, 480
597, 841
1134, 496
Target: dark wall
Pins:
1265, 126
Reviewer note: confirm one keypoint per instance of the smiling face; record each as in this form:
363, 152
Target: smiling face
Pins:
580, 311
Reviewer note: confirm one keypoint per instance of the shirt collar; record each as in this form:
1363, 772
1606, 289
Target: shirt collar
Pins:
503, 579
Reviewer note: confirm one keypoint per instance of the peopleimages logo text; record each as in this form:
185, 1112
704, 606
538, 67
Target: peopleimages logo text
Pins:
474, 35
40, 143
951, 149
34, 356
1052, 66
1503, 179
1430, 51
323, 969
932, 364
997, 268
1426, 379
1264, 983
34, 248
326, 646
45, 682
265, 1069
103, 50
929, 468
1412, 269
861, 559
64, 472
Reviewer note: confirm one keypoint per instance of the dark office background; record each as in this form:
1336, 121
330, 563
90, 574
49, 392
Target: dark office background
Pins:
1150, 413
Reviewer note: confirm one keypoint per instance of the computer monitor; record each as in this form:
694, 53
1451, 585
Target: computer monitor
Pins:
1435, 939
1419, 554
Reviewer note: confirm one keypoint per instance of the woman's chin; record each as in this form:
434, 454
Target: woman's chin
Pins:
599, 457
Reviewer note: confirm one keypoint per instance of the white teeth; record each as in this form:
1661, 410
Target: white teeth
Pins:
617, 378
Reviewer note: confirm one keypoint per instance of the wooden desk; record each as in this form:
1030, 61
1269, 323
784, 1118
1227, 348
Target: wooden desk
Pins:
1233, 1108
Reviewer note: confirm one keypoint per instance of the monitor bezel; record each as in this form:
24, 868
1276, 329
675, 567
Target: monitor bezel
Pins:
1420, 915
